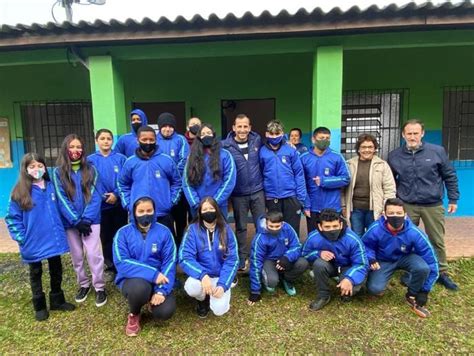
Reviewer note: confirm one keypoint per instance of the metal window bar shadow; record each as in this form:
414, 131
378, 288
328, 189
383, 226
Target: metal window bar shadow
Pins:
47, 123
375, 112
458, 124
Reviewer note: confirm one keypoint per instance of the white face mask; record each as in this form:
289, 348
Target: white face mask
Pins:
36, 173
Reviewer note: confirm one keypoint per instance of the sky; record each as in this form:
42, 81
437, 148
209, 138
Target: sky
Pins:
26, 12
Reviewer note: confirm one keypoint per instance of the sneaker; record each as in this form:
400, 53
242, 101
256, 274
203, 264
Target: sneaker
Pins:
289, 288
234, 282
319, 303
422, 312
346, 298
203, 308
243, 265
82, 294
133, 325
109, 275
447, 282
100, 298
269, 289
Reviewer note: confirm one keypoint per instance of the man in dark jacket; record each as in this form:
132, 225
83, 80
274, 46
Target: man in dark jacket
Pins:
421, 171
244, 145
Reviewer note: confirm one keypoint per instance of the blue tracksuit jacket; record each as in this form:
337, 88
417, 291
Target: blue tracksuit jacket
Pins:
76, 210
39, 231
109, 170
266, 246
176, 147
283, 175
199, 256
332, 169
382, 245
249, 174
136, 256
128, 143
220, 189
348, 249
157, 177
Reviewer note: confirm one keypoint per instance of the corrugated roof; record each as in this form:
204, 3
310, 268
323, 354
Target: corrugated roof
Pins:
410, 15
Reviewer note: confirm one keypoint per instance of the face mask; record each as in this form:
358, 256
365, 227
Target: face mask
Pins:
136, 126
209, 216
36, 173
332, 235
145, 220
194, 129
147, 147
322, 144
74, 155
396, 221
274, 141
207, 141
273, 232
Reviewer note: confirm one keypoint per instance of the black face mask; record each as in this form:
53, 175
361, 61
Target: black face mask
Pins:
207, 141
209, 216
145, 220
147, 147
332, 235
194, 129
396, 221
273, 232
136, 126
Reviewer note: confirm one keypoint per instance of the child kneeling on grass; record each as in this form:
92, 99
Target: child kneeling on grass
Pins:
145, 257
208, 255
34, 221
275, 255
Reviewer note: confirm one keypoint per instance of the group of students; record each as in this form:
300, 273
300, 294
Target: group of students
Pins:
158, 200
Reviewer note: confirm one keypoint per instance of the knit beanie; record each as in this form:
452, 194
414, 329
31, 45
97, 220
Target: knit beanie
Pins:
166, 119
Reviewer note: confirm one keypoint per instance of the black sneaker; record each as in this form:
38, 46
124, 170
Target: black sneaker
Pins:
319, 303
346, 298
82, 293
447, 282
100, 298
203, 308
422, 312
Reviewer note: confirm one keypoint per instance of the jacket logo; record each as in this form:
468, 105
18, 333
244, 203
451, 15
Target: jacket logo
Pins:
283, 159
256, 149
403, 248
172, 153
116, 169
428, 160
154, 248
287, 242
157, 174
53, 197
326, 171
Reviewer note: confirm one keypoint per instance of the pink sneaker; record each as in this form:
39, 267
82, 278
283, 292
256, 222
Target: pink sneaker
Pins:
133, 325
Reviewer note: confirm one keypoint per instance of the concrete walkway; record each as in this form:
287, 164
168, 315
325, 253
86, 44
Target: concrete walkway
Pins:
459, 237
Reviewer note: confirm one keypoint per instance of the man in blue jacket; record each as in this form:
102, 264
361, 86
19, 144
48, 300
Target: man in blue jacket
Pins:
393, 242
128, 143
335, 251
275, 255
421, 171
283, 177
326, 173
244, 145
150, 173
175, 146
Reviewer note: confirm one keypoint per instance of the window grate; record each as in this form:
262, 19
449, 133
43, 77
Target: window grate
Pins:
376, 112
46, 123
458, 124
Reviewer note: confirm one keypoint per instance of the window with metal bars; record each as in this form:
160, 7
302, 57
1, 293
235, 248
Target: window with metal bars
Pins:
46, 123
458, 123
376, 112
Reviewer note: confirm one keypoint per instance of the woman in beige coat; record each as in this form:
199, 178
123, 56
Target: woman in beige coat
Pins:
371, 185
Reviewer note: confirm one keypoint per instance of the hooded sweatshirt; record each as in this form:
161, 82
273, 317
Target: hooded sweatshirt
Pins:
145, 256
267, 246
128, 143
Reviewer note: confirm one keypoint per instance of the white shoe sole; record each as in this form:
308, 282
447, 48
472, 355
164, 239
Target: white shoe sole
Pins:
98, 305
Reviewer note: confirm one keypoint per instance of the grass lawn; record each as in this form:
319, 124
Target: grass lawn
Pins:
279, 324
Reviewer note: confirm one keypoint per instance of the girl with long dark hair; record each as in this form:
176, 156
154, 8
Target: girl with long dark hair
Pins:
76, 183
209, 171
34, 221
208, 255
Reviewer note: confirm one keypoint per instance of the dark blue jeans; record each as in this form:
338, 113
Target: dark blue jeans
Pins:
361, 219
414, 264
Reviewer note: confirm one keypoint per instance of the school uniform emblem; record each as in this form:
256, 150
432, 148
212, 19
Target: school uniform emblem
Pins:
287, 242
283, 159
326, 171
53, 197
172, 153
154, 248
116, 169
403, 248
157, 174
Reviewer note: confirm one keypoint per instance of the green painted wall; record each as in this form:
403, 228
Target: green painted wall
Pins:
203, 82
422, 70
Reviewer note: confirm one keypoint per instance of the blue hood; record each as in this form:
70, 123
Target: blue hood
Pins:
142, 117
